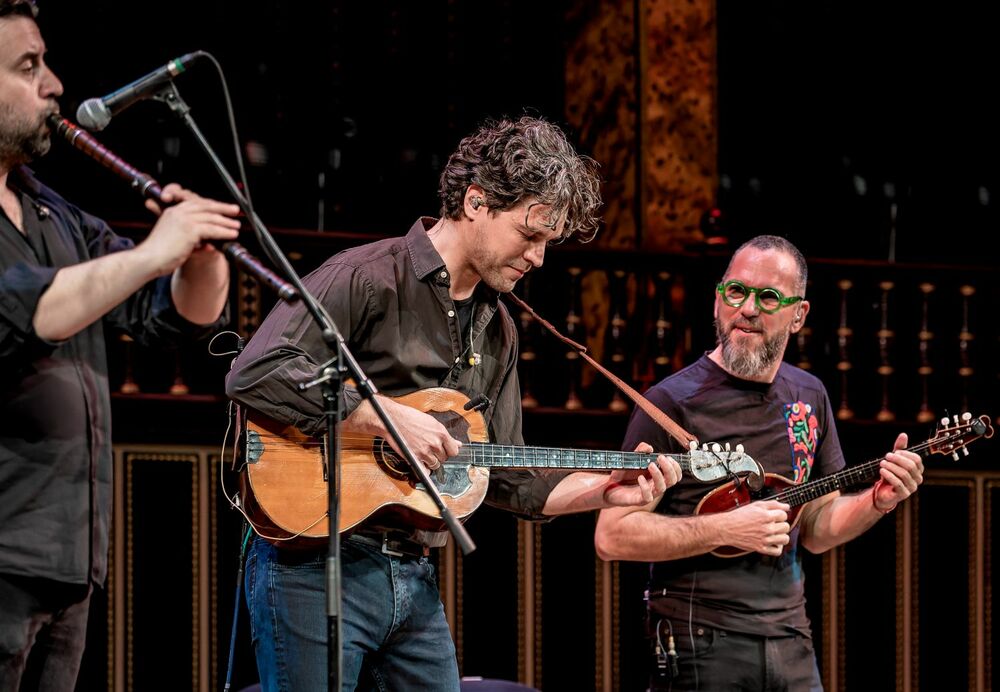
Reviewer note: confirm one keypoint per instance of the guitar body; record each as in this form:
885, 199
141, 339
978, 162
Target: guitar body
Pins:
731, 495
285, 485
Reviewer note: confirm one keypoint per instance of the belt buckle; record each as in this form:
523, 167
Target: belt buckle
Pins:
387, 550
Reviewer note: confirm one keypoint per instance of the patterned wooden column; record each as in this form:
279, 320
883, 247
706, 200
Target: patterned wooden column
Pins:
679, 137
602, 65
641, 99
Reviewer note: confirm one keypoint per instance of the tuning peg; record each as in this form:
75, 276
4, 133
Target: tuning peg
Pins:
739, 449
693, 445
954, 455
955, 418
716, 448
966, 416
727, 446
945, 421
965, 451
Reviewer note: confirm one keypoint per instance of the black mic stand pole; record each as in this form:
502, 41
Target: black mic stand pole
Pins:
331, 378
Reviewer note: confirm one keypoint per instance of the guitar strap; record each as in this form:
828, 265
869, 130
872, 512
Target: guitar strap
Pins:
664, 421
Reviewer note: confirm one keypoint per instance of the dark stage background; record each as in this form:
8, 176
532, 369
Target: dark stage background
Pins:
864, 132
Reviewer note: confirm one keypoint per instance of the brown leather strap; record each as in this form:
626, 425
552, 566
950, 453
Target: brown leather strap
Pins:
664, 421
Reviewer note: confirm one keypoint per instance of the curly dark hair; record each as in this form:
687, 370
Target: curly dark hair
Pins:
529, 158
25, 8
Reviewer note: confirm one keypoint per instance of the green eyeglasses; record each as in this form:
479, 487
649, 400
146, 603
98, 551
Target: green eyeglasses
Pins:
769, 300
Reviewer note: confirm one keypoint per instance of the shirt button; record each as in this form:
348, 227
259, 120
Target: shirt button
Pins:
444, 275
451, 313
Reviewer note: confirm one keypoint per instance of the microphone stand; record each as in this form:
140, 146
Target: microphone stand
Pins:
330, 378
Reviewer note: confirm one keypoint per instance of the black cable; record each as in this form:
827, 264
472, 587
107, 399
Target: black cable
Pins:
232, 128
236, 610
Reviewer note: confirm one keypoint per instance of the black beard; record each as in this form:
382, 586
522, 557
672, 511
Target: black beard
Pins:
750, 363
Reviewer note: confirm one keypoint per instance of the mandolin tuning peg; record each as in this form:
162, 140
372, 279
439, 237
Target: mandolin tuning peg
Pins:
727, 446
739, 449
954, 455
965, 451
945, 421
966, 416
716, 448
704, 447
955, 418
693, 445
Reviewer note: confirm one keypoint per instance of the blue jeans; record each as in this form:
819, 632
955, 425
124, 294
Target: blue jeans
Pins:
394, 634
43, 628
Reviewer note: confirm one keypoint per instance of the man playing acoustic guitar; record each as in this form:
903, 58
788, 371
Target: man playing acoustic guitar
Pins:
418, 312
744, 617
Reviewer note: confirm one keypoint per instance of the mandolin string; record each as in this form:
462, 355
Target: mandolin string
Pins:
864, 468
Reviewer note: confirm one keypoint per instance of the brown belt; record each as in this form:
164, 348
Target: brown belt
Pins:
389, 544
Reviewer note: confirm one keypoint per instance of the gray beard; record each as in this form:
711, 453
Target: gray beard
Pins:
750, 363
21, 142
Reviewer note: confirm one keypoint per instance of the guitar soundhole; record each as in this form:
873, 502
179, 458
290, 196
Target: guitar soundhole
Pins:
396, 467
391, 463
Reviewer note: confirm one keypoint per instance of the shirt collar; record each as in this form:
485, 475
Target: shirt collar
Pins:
425, 258
427, 261
23, 180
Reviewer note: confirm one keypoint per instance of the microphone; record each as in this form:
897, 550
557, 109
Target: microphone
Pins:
149, 188
96, 113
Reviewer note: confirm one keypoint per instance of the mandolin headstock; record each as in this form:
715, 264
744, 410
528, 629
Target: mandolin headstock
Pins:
954, 434
713, 462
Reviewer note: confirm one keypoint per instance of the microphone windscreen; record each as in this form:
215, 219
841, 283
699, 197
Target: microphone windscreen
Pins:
93, 115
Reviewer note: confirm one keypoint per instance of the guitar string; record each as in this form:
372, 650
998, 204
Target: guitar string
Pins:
488, 451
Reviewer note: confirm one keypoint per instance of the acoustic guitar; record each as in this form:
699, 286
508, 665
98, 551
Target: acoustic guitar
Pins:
950, 438
284, 475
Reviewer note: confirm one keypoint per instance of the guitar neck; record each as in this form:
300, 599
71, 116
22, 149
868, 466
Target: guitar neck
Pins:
512, 456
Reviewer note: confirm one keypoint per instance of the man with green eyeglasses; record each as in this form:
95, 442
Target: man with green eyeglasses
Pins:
740, 623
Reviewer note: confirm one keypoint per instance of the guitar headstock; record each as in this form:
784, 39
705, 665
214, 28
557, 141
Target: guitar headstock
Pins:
713, 462
956, 433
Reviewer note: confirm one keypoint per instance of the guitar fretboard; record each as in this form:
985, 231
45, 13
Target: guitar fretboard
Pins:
512, 456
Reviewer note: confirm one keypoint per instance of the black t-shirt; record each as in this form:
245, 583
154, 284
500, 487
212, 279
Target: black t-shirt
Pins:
786, 426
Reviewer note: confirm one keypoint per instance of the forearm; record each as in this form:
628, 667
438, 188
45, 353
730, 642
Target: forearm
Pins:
582, 491
200, 287
837, 521
83, 293
645, 536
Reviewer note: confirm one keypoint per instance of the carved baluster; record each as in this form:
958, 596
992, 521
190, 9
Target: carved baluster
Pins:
616, 344
924, 338
965, 337
129, 385
528, 354
574, 326
179, 387
885, 341
664, 327
844, 334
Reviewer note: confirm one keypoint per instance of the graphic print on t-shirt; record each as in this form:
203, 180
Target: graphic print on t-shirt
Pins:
802, 437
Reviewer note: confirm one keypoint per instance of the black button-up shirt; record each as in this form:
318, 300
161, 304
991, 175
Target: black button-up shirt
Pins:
390, 301
55, 428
